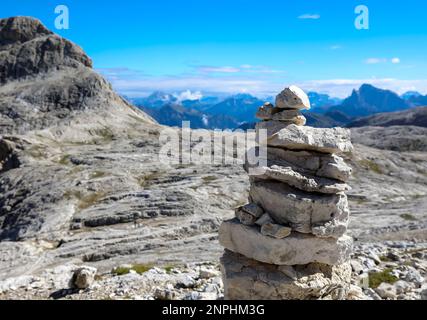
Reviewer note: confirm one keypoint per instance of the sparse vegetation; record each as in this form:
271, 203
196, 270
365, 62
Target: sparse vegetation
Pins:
376, 278
371, 165
64, 160
145, 180
208, 179
408, 217
169, 269
106, 133
97, 174
85, 200
138, 268
385, 259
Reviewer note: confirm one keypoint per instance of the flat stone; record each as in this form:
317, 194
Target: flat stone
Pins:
265, 218
267, 111
275, 230
293, 98
300, 181
291, 116
253, 209
310, 162
297, 249
247, 279
333, 140
245, 218
321, 215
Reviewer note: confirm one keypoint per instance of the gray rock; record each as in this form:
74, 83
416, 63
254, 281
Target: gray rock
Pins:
372, 294
207, 274
253, 209
275, 231
386, 291
295, 137
293, 250
164, 294
247, 279
245, 218
299, 180
319, 164
322, 215
293, 98
403, 287
265, 218
268, 112
424, 292
414, 276
356, 266
84, 277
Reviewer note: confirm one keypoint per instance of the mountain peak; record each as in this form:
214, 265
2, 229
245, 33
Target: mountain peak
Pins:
21, 29
50, 80
370, 100
28, 48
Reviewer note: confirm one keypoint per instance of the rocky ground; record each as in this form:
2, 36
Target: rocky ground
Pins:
81, 184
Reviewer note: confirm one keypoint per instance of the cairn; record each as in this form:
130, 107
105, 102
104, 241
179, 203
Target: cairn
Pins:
290, 241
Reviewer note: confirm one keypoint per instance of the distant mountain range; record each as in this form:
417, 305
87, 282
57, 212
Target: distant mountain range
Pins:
173, 115
413, 117
215, 112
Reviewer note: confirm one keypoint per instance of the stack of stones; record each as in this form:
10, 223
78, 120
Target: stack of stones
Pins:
289, 242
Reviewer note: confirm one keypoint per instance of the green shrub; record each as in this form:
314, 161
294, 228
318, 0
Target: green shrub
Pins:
408, 217
138, 268
376, 278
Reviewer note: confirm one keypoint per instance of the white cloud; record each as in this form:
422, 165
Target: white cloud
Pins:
191, 86
226, 69
336, 47
310, 16
189, 95
375, 60
246, 68
382, 60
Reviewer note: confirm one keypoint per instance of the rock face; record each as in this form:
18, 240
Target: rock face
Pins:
66, 84
298, 248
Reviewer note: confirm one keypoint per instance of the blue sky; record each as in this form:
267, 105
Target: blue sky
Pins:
245, 45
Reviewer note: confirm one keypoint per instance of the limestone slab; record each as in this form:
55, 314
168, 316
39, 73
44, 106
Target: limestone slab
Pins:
301, 181
330, 140
321, 215
297, 249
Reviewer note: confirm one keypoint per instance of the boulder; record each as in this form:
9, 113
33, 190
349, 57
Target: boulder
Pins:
321, 215
247, 279
84, 277
333, 140
293, 98
300, 181
297, 249
386, 291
